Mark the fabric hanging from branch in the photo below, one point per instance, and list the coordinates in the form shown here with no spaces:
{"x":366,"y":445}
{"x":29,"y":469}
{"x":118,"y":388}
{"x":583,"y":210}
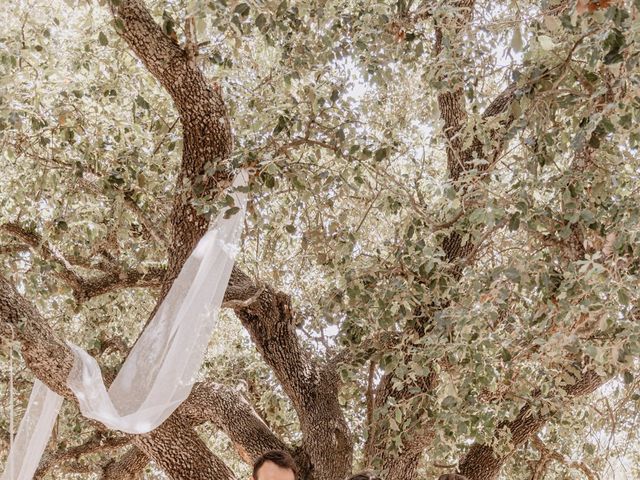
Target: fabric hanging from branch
{"x":160,"y":370}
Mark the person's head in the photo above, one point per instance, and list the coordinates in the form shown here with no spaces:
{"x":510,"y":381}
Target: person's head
{"x":364,"y":475}
{"x":275,"y":465}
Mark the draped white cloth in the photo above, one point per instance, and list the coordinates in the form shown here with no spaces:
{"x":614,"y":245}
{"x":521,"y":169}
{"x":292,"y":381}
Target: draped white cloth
{"x":33,"y":434}
{"x":160,"y":370}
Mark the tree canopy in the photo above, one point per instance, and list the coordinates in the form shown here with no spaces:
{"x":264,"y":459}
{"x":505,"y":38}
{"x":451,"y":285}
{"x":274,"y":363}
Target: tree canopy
{"x":439,"y":268}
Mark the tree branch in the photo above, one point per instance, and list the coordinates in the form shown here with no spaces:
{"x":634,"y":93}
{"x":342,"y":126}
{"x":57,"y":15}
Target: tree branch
{"x":206,"y":130}
{"x":13,"y":248}
{"x":129,"y":466}
{"x":174,"y":445}
{"x":97,"y":443}
{"x":482,"y":462}
{"x":35,"y":241}
{"x":313,"y":390}
{"x":84,"y":289}
{"x":230,"y":412}
{"x":547,"y":454}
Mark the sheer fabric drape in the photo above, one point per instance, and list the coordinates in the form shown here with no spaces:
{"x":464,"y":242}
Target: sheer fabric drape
{"x":160,"y":370}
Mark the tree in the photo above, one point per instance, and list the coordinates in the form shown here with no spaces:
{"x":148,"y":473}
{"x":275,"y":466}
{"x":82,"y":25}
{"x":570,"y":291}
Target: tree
{"x":439,"y":269}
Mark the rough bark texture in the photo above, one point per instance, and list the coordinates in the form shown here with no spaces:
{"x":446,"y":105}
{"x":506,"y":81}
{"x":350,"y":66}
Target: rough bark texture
{"x":311,"y":386}
{"x":230,"y":412}
{"x":482,"y":462}
{"x":206,"y":130}
{"x":180,"y":452}
{"x":128,"y":466}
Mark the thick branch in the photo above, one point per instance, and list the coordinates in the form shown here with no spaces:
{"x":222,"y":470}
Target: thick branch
{"x":226,"y":409}
{"x":451,"y":101}
{"x":207,"y":134}
{"x":230,"y":412}
{"x":312,"y":389}
{"x":100,"y":285}
{"x":127,"y":467}
{"x":181,"y":453}
{"x":97,"y":443}
{"x":482,"y":462}
{"x":36,"y":242}
{"x":207,"y":144}
{"x":174,"y":445}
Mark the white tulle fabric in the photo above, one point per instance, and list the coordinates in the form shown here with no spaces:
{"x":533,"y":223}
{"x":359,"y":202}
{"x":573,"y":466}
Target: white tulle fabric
{"x":160,"y":370}
{"x":33,"y":434}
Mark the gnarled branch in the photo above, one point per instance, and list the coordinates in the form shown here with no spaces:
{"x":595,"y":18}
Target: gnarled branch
{"x":482,"y":462}
{"x":84,"y":288}
{"x":313,"y":390}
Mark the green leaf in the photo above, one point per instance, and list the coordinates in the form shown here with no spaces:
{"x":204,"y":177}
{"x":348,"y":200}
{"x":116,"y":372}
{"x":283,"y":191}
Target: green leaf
{"x":230,"y":212}
{"x":281,"y":125}
{"x":506,"y":355}
{"x":614,"y":42}
{"x":546,"y":42}
{"x":623,"y":297}
{"x":514,"y":222}
{"x":102,"y":39}
{"x":270,"y":182}
{"x":261,"y":21}
{"x":449,"y":401}
{"x":380,"y":154}
{"x":140,"y":101}
{"x":242,"y":9}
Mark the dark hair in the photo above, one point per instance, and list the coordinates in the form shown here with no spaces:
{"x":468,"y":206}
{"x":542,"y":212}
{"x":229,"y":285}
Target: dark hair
{"x":279,"y":457}
{"x":364,"y":475}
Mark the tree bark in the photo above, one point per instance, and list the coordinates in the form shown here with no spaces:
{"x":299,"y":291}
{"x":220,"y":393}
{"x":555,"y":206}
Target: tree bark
{"x":128,"y":467}
{"x":205,"y":125}
{"x":50,"y":360}
{"x":483,"y":463}
{"x":311,"y":386}
{"x":231,"y":413}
